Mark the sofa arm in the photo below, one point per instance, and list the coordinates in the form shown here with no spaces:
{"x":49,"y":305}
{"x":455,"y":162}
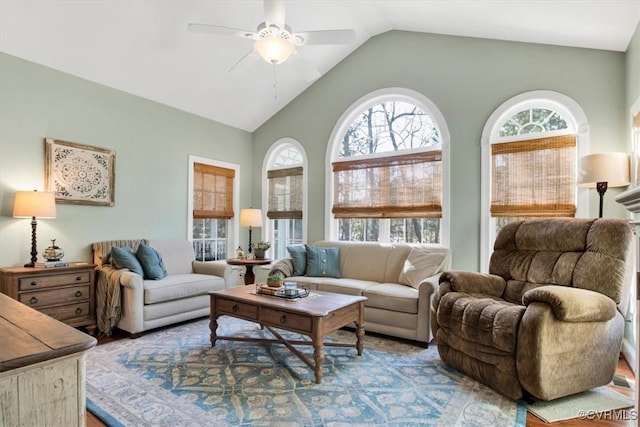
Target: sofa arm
{"x":573,"y":304}
{"x":129,"y":279}
{"x":472,"y":282}
{"x":211,"y":268}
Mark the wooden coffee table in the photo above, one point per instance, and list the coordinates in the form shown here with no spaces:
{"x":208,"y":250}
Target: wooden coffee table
{"x":315,"y":316}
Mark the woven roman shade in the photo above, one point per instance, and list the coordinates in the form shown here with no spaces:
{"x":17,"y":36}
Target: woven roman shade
{"x":402,"y":186}
{"x":285,"y":193}
{"x":534,"y":178}
{"x":212,"y":191}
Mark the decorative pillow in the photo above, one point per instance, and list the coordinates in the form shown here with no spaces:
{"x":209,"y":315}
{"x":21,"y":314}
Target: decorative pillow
{"x":151,"y":262}
{"x":323,"y":262}
{"x":125,"y":258}
{"x":421,"y":264}
{"x":298,"y":254}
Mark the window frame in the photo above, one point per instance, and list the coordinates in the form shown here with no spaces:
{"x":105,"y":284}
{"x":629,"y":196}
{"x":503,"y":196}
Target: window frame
{"x":232,"y":226}
{"x":347,"y":118}
{"x":577,"y":124}
{"x":271,"y":154}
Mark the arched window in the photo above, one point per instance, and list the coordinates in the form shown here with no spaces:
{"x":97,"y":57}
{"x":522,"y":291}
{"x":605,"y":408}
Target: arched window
{"x":388,"y":159}
{"x":530,"y":150}
{"x":284,"y":195}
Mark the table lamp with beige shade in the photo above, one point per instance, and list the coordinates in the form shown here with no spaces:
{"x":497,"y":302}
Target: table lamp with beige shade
{"x":602,"y":171}
{"x":250,"y":218}
{"x":34,"y":204}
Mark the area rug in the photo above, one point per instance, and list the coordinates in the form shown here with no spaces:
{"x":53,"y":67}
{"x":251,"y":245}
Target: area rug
{"x":174,"y":377}
{"x":589,"y":405}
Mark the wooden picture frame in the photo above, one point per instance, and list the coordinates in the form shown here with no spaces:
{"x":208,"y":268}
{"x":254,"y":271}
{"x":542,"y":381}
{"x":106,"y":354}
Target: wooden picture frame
{"x":79,"y":174}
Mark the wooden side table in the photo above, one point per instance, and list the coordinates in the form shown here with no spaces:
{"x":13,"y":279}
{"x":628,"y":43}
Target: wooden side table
{"x":249,"y":276}
{"x":64,"y":293}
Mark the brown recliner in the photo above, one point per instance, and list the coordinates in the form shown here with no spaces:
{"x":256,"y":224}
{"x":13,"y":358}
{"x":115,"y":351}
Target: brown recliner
{"x":547,"y":321}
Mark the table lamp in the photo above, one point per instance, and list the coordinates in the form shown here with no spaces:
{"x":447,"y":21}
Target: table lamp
{"x":604,"y":170}
{"x":34,"y":204}
{"x":250,"y":218}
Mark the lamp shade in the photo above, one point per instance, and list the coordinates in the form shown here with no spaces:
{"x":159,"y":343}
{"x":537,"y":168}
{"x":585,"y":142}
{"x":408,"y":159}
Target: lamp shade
{"x":37,"y":204}
{"x":274,"y":49}
{"x":251,"y":218}
{"x":612,"y":168}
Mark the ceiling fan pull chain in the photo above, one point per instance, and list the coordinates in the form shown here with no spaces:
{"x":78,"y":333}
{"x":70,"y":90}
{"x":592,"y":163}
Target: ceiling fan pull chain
{"x":275,"y":83}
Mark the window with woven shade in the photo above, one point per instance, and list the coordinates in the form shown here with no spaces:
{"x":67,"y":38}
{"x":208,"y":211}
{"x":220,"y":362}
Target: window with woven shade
{"x":212,"y":191}
{"x":285,"y":193}
{"x":534,"y":178}
{"x":404,"y":186}
{"x":387,"y":171}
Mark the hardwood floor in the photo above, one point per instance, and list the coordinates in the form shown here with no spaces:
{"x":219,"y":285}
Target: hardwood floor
{"x":618,"y":419}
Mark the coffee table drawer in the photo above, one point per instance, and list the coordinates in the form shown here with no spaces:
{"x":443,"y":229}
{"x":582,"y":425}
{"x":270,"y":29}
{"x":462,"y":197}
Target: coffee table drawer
{"x":247,"y":311}
{"x":286,"y":320}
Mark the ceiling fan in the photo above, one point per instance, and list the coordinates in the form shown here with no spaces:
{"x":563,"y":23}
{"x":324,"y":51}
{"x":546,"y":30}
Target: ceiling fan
{"x":274,"y":40}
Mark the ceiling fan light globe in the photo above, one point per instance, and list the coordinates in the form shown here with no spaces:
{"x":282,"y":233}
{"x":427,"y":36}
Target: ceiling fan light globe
{"x":274,"y":50}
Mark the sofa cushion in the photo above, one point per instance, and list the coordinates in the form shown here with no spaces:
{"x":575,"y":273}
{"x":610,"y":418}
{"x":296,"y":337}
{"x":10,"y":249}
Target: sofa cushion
{"x":177,"y":255}
{"x":151,"y":263}
{"x":298,"y":254}
{"x":345,"y":286}
{"x":125,"y":258}
{"x":421,"y":264}
{"x":391,"y":296}
{"x":178,"y":286}
{"x":323,"y":262}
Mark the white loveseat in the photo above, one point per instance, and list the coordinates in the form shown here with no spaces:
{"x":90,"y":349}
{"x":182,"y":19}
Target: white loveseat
{"x":397,"y":304}
{"x":126,"y":300}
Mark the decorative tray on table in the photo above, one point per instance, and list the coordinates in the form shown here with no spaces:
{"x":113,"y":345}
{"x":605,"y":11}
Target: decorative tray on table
{"x":283,"y":292}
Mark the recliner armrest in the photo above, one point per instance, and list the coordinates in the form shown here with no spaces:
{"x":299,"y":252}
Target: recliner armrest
{"x":473,"y":283}
{"x":573,"y":304}
{"x":212,"y":268}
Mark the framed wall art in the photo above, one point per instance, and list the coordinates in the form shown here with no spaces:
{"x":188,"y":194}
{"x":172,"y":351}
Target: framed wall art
{"x":80,"y":174}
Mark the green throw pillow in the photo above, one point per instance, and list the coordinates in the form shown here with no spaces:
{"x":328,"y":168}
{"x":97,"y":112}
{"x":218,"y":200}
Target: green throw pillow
{"x":151,"y":262}
{"x":323,"y":262}
{"x":298,"y":254}
{"x":125,"y":258}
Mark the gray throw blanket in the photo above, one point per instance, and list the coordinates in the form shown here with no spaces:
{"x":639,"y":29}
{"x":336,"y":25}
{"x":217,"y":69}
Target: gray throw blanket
{"x":108,"y":308}
{"x":285,"y":266}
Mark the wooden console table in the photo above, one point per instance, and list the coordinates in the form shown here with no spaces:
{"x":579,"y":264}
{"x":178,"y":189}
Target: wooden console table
{"x":42,"y":368}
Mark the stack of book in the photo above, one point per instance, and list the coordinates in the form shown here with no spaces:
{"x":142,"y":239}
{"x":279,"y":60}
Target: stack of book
{"x":268,"y":290}
{"x":48,"y":264}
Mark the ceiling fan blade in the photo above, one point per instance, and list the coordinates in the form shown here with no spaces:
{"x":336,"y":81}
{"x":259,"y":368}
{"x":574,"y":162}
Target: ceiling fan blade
{"x":274,"y":12}
{"x":324,"y":37}
{"x":216,"y":29}
{"x":245,"y":56}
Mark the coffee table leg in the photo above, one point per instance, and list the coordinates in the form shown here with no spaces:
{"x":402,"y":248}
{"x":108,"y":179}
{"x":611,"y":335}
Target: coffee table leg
{"x":360,"y":330}
{"x":318,"y":358}
{"x":213,"y":326}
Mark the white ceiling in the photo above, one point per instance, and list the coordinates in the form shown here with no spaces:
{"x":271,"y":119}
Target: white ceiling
{"x":143,"y":47}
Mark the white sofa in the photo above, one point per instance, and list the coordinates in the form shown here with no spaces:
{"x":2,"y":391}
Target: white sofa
{"x":374,"y":270}
{"x":126,"y":300}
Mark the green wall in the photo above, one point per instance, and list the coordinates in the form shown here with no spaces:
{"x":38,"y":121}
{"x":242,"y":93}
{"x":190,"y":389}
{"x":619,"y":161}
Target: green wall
{"x":152,"y":144}
{"x":467,"y":79}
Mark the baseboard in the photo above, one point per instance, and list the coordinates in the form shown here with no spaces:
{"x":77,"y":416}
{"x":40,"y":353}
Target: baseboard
{"x":629,"y":353}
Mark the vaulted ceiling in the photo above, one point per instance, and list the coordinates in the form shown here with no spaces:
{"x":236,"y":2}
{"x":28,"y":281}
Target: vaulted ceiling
{"x":144,"y":48}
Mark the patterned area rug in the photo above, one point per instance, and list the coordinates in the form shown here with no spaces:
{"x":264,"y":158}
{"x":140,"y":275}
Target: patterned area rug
{"x":174,"y":377}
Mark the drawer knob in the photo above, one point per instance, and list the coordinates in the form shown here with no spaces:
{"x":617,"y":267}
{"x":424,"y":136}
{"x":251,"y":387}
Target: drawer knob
{"x":78,"y":278}
{"x":283,"y":319}
{"x":78,"y":310}
{"x":78,"y":294}
{"x":34,"y":283}
{"x":235,"y":308}
{"x":33,"y":300}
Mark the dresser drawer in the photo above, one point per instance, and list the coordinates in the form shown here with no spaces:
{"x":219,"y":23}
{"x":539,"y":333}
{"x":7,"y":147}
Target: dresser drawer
{"x":52,"y":280}
{"x":55,"y":296}
{"x":66,"y":313}
{"x":239,"y":309}
{"x":286,"y":320}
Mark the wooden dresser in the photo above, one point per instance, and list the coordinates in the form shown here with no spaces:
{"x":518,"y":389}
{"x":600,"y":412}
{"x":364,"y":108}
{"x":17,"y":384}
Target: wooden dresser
{"x":42,"y":368}
{"x":64,"y":293}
